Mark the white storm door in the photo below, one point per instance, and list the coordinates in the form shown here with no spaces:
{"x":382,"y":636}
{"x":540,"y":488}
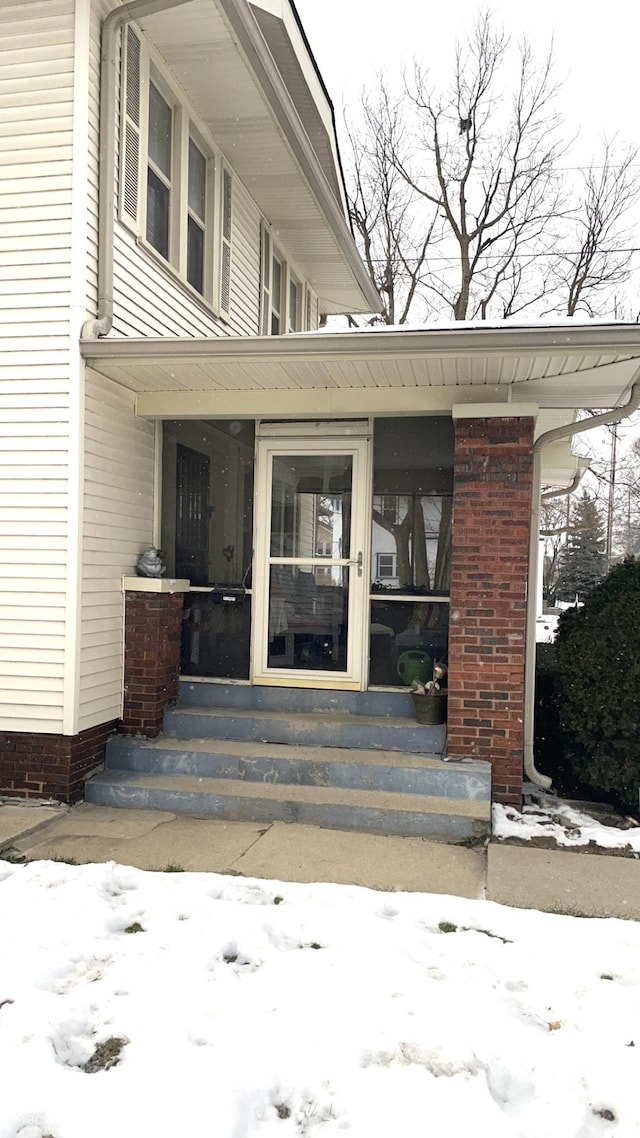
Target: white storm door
{"x":310,"y":586}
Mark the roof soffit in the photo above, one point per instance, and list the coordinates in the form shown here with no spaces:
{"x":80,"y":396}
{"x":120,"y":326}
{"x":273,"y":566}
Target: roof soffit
{"x":588,"y":367}
{"x":219,"y":58}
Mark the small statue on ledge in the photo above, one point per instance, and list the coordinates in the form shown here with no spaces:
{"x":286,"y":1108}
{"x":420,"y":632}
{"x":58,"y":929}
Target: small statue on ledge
{"x":150,"y":563}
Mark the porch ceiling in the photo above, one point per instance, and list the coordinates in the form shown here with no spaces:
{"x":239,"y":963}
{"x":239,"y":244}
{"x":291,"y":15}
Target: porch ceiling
{"x":220,"y":58}
{"x":557,"y":367}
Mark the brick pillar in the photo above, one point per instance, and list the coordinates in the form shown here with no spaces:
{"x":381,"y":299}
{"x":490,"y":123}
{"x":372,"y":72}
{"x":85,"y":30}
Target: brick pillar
{"x":153,"y":624}
{"x":51,"y":766}
{"x":490,"y":554}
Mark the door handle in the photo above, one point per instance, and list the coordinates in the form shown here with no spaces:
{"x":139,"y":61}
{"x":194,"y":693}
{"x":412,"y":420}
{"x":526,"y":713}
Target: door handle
{"x":358,"y":561}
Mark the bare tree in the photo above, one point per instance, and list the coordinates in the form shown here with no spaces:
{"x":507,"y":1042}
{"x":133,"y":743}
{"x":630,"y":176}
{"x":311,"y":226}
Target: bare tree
{"x":383,"y":207}
{"x":487,"y":161}
{"x":457,"y":195}
{"x":555,"y":523}
{"x":599,"y":256}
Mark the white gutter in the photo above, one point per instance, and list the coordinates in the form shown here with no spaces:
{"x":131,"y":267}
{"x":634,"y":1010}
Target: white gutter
{"x":621,"y":339}
{"x":614,"y":416}
{"x":113,"y":22}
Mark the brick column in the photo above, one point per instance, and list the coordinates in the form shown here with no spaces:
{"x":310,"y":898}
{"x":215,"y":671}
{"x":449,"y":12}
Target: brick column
{"x":490,"y":554}
{"x":153,"y":625}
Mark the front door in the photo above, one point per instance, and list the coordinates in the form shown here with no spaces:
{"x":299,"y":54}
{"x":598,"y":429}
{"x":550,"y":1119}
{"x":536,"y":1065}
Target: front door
{"x":310,"y":583}
{"x":192,"y":514}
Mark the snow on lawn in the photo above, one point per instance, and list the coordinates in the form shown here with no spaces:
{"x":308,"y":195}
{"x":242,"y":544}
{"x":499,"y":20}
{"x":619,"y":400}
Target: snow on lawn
{"x":550,"y":817}
{"x":279,"y":1010}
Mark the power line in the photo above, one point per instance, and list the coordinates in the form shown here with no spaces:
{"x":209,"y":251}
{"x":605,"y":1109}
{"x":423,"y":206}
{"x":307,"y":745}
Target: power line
{"x":521,"y":256}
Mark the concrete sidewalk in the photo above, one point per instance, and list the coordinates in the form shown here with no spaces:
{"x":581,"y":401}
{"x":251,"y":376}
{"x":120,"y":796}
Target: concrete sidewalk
{"x":553,"y":880}
{"x":152,"y":839}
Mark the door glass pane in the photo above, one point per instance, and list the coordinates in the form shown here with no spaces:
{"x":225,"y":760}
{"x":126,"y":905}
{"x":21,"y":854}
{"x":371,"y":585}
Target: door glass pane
{"x":308,"y":614}
{"x":311,"y":506}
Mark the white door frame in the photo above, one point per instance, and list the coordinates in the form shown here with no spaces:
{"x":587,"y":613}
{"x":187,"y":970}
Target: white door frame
{"x":353,"y":438}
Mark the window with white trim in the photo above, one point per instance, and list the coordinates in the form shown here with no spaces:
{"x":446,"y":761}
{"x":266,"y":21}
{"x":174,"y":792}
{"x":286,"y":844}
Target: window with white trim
{"x":386,"y":565}
{"x":285,"y":302}
{"x":175,"y":191}
{"x":294,"y":312}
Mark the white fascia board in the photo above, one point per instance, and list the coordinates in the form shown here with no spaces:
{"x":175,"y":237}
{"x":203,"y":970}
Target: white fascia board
{"x":504,"y":410}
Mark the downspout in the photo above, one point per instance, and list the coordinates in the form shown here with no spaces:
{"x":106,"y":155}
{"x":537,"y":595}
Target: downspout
{"x":566,"y":490}
{"x":614,"y":416}
{"x":114,"y":21}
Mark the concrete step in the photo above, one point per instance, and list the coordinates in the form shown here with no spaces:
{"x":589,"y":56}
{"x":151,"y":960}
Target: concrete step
{"x":330,"y":807}
{"x":315,"y":729}
{"x":206,"y":693}
{"x":390,"y":771}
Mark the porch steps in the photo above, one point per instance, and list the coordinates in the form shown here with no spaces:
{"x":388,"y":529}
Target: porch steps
{"x":274,"y":764}
{"x":317,"y":728}
{"x":342,"y":760}
{"x":376,"y":811}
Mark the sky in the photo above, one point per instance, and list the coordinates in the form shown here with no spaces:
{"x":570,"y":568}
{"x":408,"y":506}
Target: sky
{"x":264,"y":1009}
{"x":596,"y":49}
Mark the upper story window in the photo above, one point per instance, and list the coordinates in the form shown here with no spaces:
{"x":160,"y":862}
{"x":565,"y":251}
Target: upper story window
{"x":278,"y":270}
{"x":285,"y":305}
{"x":159,"y":142}
{"x":175,"y":192}
{"x":294,"y":314}
{"x":196,"y":216}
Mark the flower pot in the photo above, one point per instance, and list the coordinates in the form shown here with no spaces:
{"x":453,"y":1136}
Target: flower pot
{"x":431,"y":708}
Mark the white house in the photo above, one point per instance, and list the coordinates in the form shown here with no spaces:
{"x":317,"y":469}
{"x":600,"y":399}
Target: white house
{"x":173,"y":228}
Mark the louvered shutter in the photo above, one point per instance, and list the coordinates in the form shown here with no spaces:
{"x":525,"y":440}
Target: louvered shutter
{"x":130,"y":132}
{"x":265,"y":280}
{"x":225,"y":244}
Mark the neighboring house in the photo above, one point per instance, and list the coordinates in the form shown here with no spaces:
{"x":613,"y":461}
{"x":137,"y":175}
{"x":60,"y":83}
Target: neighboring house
{"x":324,"y":500}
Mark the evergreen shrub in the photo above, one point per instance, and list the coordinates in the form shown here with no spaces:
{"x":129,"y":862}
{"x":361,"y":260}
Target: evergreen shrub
{"x":597,"y":653}
{"x":549,"y":736}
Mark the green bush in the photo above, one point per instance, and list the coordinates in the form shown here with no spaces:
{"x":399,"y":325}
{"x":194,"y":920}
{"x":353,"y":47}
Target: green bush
{"x":597,"y":654}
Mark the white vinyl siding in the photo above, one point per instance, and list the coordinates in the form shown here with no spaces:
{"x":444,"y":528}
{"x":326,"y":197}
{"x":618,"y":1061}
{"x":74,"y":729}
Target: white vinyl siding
{"x":117,"y":524}
{"x":98,"y":11}
{"x":36,"y":118}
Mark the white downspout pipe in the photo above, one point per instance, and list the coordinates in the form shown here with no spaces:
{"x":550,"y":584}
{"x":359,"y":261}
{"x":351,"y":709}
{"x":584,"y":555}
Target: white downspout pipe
{"x":566,"y":490}
{"x":114,"y":21}
{"x":614,"y":416}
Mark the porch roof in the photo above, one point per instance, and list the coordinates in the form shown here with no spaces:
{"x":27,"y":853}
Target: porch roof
{"x":559,"y":367}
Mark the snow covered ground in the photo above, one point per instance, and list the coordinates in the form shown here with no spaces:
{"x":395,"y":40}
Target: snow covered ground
{"x":550,"y":817}
{"x":279,"y":1010}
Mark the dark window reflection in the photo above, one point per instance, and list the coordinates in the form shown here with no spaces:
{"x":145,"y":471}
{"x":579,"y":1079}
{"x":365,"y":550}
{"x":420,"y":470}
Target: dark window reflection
{"x":398,"y":628}
{"x":412,"y":504}
{"x":216,"y":634}
{"x":207,"y":495}
{"x":308,"y":612}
